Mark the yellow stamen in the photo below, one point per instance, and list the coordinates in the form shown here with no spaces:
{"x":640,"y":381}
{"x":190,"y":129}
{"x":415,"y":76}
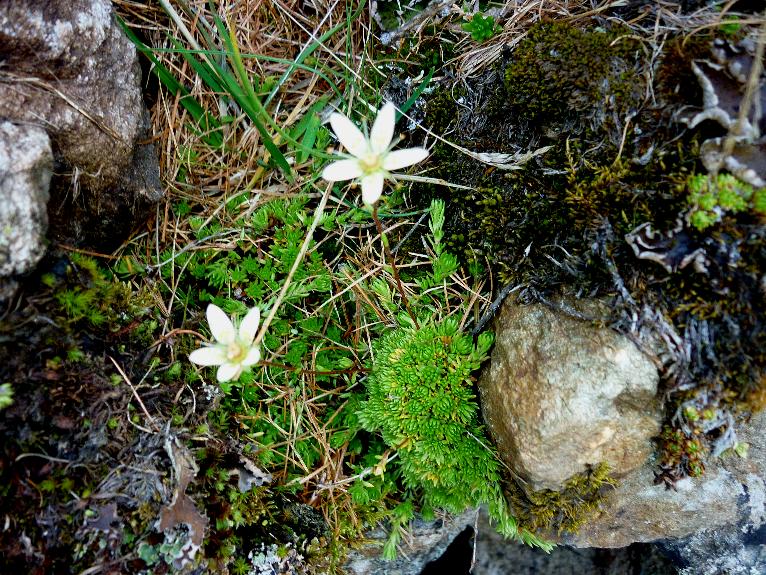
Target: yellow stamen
{"x":371,"y":163}
{"x":235,"y":353}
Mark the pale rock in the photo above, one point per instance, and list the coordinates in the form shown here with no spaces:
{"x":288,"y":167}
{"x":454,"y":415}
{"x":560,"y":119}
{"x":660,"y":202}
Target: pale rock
{"x":729,"y":498}
{"x":562,"y":394}
{"x":68,"y":68}
{"x":26,"y":165}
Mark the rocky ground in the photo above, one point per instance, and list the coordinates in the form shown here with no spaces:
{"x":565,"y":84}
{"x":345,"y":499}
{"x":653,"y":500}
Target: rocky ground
{"x":575,"y":278}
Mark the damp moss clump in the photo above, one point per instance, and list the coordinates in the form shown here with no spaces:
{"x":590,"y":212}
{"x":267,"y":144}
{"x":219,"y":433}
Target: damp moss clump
{"x":580,"y":92}
{"x":565,"y":510}
{"x":560,"y":71}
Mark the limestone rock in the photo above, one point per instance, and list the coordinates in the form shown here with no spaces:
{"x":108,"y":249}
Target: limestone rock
{"x":69,"y":69}
{"x":731,"y":493}
{"x":26,"y":164}
{"x":561,"y":394}
{"x":427,"y":542}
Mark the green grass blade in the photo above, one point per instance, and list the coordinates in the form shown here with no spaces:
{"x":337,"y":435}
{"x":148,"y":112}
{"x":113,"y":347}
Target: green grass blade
{"x":415,"y":94}
{"x":306,"y":52}
{"x":202,"y":69}
{"x":246,"y":97}
{"x":308,"y":128}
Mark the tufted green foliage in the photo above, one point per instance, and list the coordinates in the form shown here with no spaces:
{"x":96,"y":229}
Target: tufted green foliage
{"x":711,"y":200}
{"x":89,"y":296}
{"x":421,"y":399}
{"x":6,"y":395}
{"x":481,"y":27}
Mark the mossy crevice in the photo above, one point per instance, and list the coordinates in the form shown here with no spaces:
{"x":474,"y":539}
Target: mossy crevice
{"x":564,"y":510}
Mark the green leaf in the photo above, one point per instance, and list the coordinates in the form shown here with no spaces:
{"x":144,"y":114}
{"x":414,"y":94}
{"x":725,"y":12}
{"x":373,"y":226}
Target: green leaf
{"x":415,"y":94}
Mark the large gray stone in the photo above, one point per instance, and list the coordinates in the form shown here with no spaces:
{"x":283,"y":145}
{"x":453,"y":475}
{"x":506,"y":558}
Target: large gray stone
{"x":69,"y":69}
{"x":561,"y":394}
{"x":26,"y":165}
{"x":731,"y":494}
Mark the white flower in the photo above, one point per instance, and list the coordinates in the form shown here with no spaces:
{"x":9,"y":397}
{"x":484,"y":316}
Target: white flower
{"x":233,"y":349}
{"x":370,"y":159}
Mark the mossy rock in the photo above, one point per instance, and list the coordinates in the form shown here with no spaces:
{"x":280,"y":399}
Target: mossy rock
{"x":617,"y":161}
{"x":562,"y":72}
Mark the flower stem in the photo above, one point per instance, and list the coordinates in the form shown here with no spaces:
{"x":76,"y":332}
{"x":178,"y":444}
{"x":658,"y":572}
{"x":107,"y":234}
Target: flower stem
{"x":310,"y":234}
{"x":392,"y":263}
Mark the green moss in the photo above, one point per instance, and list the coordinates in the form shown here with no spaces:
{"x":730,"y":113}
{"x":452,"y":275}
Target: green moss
{"x":89,"y":296}
{"x":6,"y":395}
{"x":759,"y":201}
{"x":711,"y":200}
{"x":564,"y":510}
{"x":535,"y":225}
{"x":560,"y":70}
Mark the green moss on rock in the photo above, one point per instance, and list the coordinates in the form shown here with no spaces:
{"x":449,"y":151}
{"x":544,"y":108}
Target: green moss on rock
{"x":617,"y":161}
{"x":564,"y":510}
{"x":560,"y":70}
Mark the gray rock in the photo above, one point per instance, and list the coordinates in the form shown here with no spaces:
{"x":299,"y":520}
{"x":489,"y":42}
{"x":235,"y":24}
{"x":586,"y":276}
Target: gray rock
{"x":26,"y":165}
{"x":732,"y":550}
{"x":731,"y":495}
{"x":498,"y":556}
{"x":561,"y":394}
{"x":427,"y":542}
{"x":69,"y":69}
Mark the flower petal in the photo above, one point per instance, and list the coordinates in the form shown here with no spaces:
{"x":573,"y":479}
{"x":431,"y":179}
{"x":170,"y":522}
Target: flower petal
{"x":249,"y":326}
{"x":342,"y":170}
{"x":372,"y":188}
{"x":220,"y":325}
{"x":383,"y":129}
{"x":228,"y":371}
{"x":253,"y":357}
{"x":402,"y":158}
{"x":208,"y":356}
{"x":349,"y":135}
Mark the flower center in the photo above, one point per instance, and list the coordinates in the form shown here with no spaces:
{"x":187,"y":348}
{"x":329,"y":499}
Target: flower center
{"x":371,"y":163}
{"x":235,"y":353}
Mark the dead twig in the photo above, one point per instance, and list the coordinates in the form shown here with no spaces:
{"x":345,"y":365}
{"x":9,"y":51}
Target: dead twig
{"x":135,"y":394}
{"x":416,"y":21}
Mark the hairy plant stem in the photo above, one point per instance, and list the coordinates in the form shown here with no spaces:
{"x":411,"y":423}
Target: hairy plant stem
{"x":304,"y":248}
{"x":392,"y":263}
